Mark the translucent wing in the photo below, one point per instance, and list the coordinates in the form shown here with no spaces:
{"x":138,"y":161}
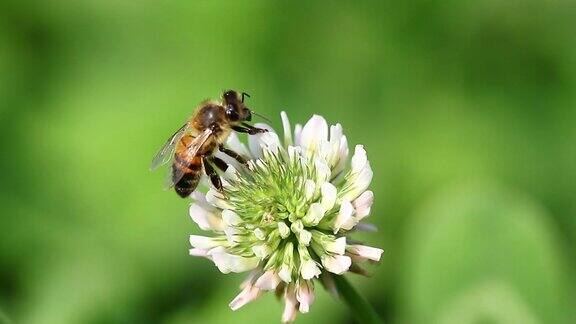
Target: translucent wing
{"x":193,"y":148}
{"x":166,"y":153}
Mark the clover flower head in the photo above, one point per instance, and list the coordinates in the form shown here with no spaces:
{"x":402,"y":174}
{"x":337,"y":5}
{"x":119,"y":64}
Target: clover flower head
{"x":286,"y":217}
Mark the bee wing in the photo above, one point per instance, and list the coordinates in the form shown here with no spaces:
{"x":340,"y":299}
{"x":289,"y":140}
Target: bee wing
{"x":192,"y":150}
{"x":165,"y":154}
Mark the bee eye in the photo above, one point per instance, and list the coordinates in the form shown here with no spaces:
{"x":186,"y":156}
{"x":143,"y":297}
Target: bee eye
{"x":231,"y":113}
{"x":230,"y":95}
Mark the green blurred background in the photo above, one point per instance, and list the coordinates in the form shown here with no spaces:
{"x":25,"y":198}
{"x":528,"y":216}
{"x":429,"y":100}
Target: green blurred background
{"x":466,"y":108}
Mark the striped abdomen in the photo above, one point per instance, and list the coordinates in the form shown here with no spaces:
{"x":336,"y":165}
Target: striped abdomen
{"x":188,"y":172}
{"x":186,"y":169}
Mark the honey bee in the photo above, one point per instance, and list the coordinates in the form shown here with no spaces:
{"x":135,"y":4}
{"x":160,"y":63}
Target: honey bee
{"x":191,"y":149}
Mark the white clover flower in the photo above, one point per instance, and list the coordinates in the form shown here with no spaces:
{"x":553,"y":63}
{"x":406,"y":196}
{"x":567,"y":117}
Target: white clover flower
{"x":287,"y":217}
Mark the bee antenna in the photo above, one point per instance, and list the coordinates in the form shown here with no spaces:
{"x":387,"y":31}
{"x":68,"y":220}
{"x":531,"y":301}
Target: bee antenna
{"x":261,"y":116}
{"x":244,"y":94}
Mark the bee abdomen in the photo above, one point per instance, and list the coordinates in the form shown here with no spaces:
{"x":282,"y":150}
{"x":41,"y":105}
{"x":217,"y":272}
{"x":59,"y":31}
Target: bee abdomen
{"x":190,"y":178}
{"x":187,"y":185}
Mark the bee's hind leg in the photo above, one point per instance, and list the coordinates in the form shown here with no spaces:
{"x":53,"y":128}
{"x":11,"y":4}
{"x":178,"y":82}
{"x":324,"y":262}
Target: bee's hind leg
{"x":219,"y":163}
{"x":233,"y":154}
{"x":211,"y":173}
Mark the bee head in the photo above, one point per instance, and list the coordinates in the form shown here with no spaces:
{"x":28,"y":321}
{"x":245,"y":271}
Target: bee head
{"x":236,"y":110}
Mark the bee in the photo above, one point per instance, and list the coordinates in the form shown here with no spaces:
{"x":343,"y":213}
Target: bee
{"x":191,"y":149}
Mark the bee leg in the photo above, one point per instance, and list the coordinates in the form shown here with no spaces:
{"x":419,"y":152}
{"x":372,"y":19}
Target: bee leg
{"x":254,"y":129}
{"x":233,"y":154}
{"x":241,"y":129}
{"x":249,"y":129}
{"x":219,"y":163}
{"x":210,"y":172}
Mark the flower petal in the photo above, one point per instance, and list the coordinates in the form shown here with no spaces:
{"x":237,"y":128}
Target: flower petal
{"x":333,"y":155}
{"x":359,"y":159}
{"x":322,"y":171}
{"x":232,"y":234}
{"x":268,"y":281}
{"x":328,"y":192}
{"x":360,"y":176}
{"x":215,"y":198}
{"x":360,"y":184}
{"x":250,"y":278}
{"x":206,"y":219}
{"x":366,"y":252}
{"x":285,"y":274}
{"x":363,"y":203}
{"x":309,"y":189}
{"x":200,"y":252}
{"x":314,"y":215}
{"x":248,"y":294}
{"x":270,"y":142}
{"x":261,"y":251}
{"x":260,"y":234}
{"x":336,"y":133}
{"x":290,"y":310}
{"x":200,"y":199}
{"x":230,"y":218}
{"x":297,"y":134}
{"x":305,"y":295}
{"x":314,"y":133}
{"x":204,"y":242}
{"x":227,"y":263}
{"x":337,"y":264}
{"x":309,"y":269}
{"x":287,"y":129}
{"x":342,"y":157}
{"x":283,"y":229}
{"x":257,"y":141}
{"x":302,"y":235}
{"x":344,"y":216}
{"x":231,"y":174}
{"x":338,"y":246}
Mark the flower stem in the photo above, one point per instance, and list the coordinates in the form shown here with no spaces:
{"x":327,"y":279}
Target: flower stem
{"x":361,"y":308}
